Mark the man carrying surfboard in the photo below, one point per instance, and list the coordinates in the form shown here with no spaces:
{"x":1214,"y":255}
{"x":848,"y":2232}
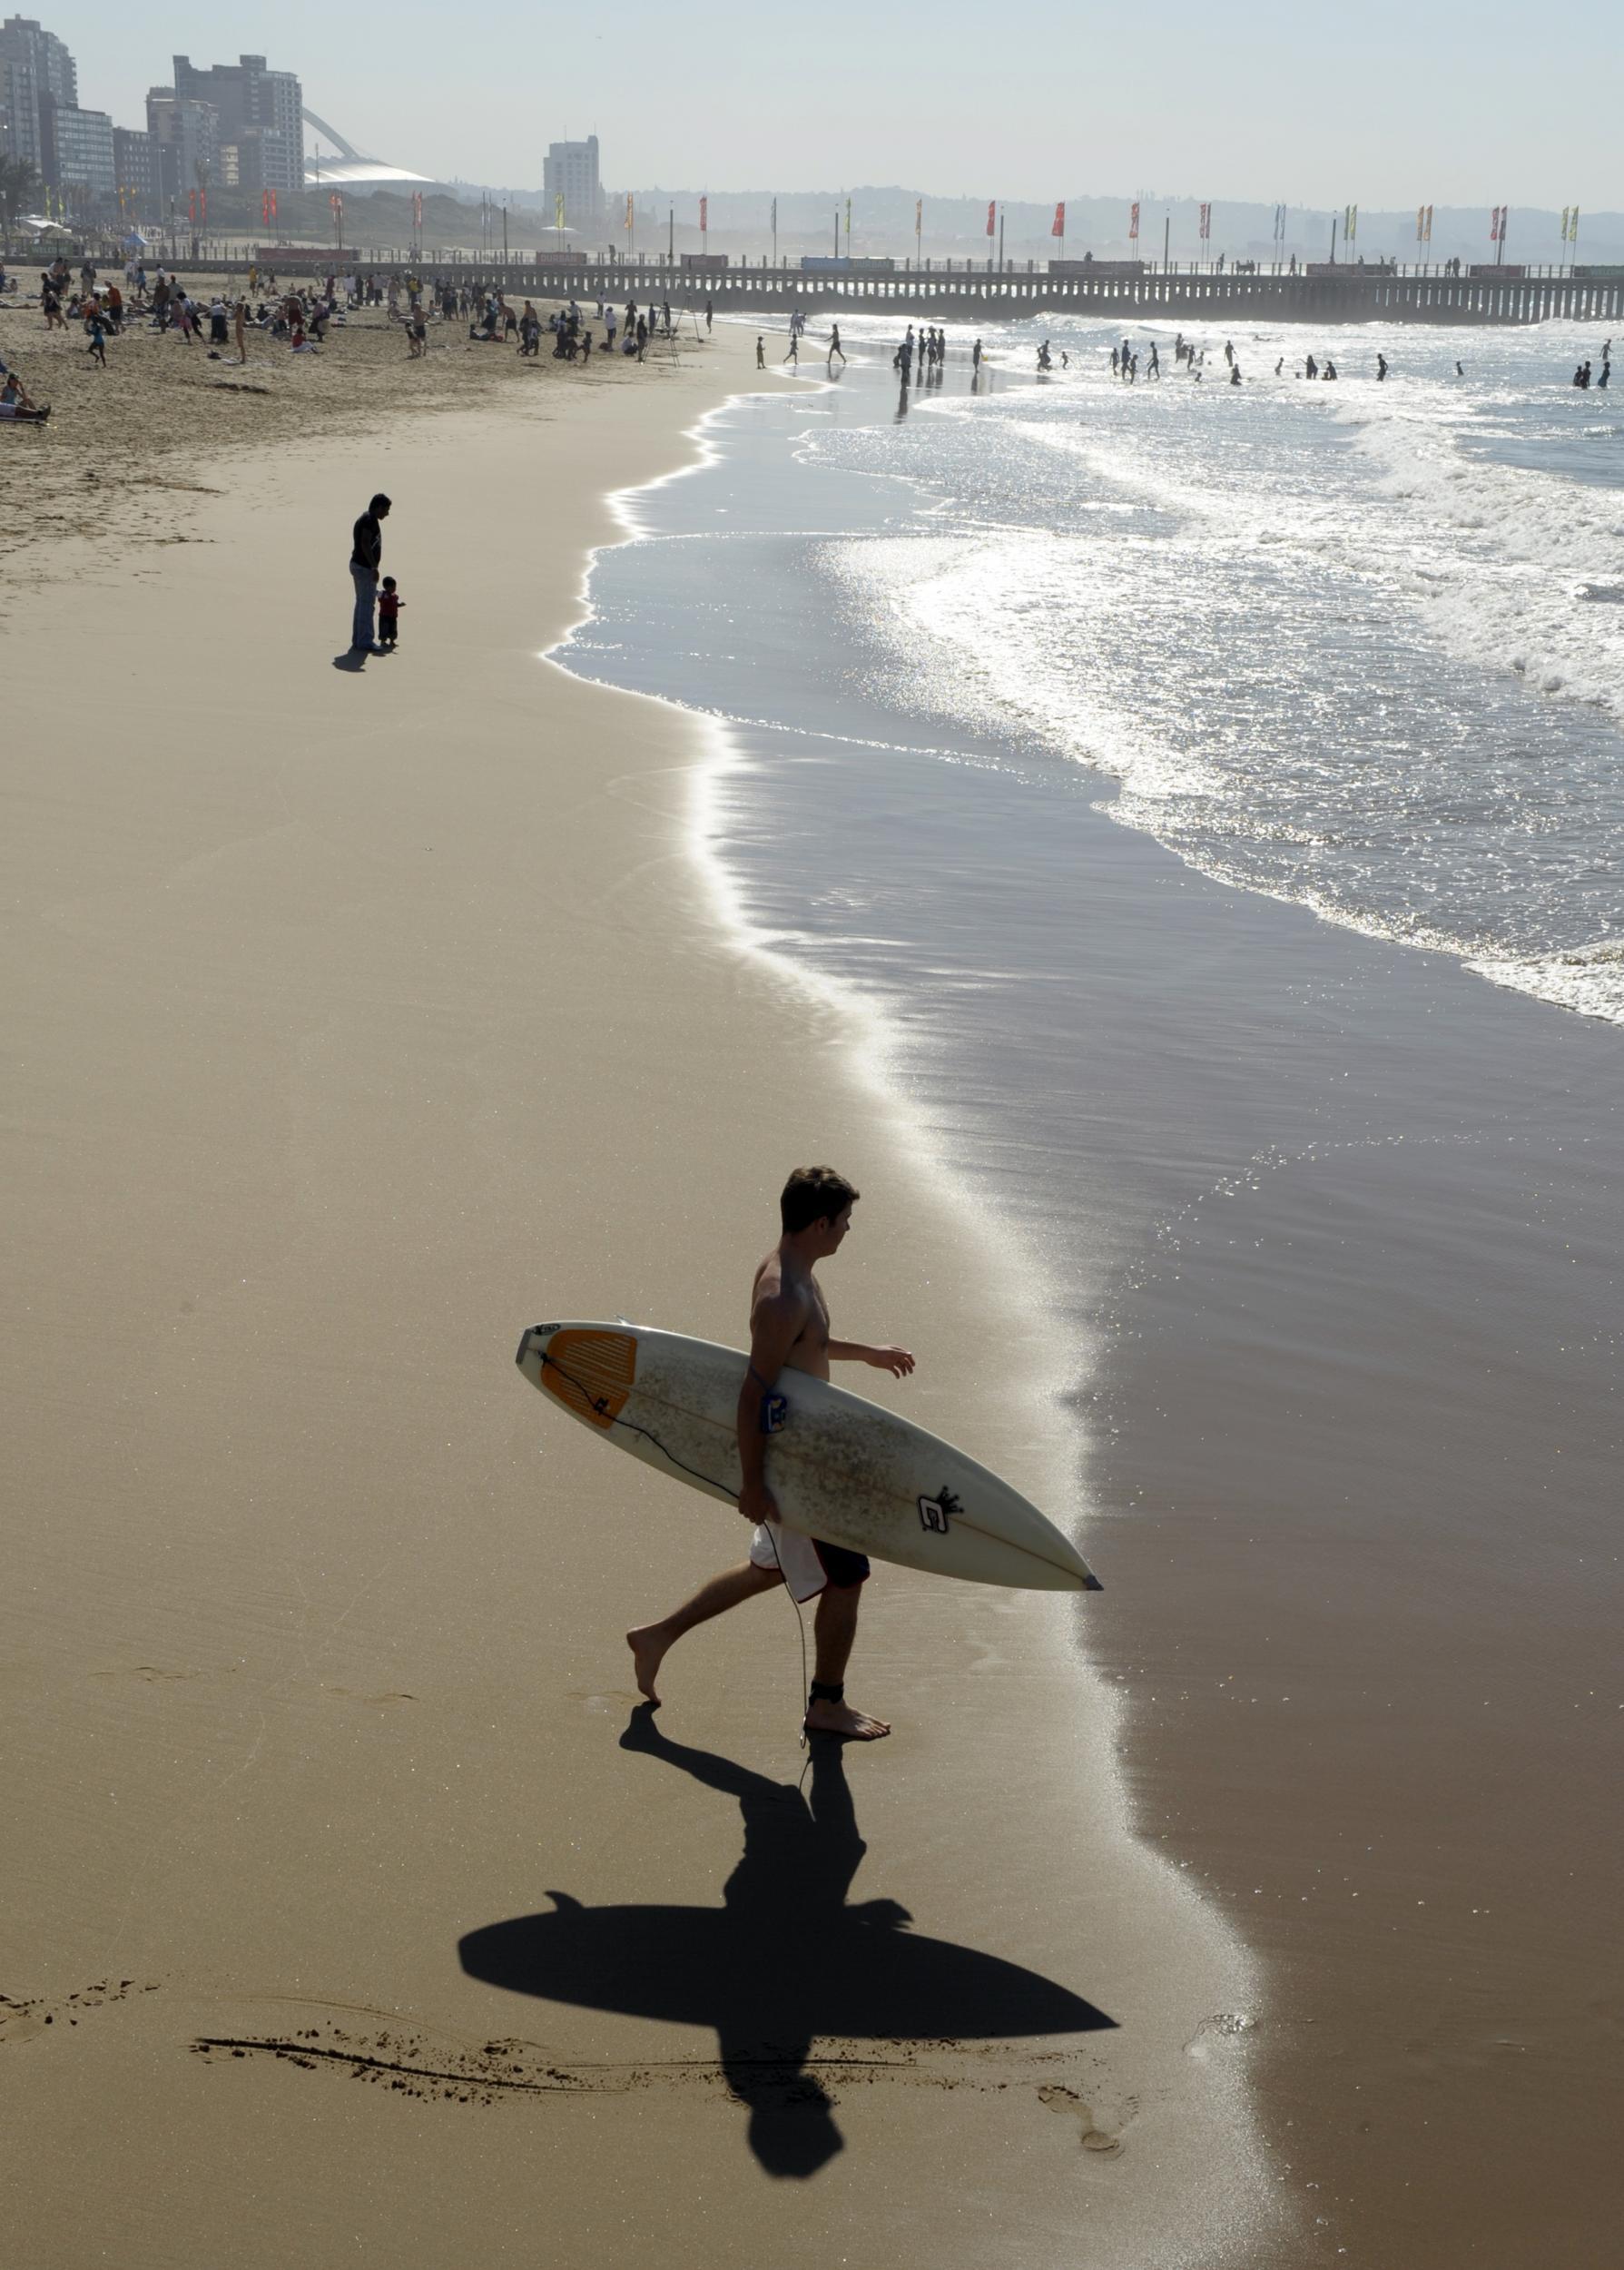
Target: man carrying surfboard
{"x":789,"y":1331}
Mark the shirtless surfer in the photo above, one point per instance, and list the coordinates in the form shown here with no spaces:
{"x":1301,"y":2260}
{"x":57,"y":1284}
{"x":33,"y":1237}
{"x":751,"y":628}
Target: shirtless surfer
{"x":789,"y":1329}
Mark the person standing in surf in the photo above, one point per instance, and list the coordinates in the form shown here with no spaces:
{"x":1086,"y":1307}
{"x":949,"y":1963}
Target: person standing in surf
{"x":789,"y":1331}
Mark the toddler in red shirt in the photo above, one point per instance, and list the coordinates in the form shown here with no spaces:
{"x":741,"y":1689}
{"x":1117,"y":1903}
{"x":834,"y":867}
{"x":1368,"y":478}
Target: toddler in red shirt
{"x":389,"y":604}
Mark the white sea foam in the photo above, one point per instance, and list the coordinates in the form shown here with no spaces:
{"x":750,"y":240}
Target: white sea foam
{"x":1352,"y":648}
{"x":1508,"y":557}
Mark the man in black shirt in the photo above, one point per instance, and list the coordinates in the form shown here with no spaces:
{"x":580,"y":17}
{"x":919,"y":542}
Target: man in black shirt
{"x":366,"y":558}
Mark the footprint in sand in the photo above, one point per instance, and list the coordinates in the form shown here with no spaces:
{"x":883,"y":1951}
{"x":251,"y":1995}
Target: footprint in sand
{"x":1228,"y":2026}
{"x":1060,"y":2098}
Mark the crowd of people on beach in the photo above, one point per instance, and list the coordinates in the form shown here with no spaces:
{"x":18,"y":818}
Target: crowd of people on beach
{"x":300,"y":317}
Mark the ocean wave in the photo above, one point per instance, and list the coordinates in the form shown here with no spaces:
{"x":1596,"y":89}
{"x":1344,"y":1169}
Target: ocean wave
{"x":1506,"y":557}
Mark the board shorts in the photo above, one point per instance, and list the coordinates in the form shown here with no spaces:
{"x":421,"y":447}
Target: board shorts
{"x":806,"y":1565}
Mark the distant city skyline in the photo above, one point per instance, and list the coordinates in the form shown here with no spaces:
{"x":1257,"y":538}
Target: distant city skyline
{"x":1457,"y":105}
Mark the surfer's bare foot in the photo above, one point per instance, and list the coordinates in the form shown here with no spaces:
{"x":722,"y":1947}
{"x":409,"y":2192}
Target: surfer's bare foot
{"x":839,"y":1718}
{"x":648,"y":1644}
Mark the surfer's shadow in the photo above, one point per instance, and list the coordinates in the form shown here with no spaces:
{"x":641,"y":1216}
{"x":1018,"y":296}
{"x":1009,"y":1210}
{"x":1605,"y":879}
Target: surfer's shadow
{"x":784,"y":1962}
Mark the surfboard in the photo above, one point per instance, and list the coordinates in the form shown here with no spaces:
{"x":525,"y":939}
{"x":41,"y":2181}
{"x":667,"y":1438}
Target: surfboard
{"x":840,"y":1467}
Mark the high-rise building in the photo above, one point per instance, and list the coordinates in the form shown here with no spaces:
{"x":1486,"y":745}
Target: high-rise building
{"x":262,"y":118}
{"x":35,"y":66}
{"x":571,"y":172}
{"x":136,"y":174}
{"x":187,"y":134}
{"x":76,"y":152}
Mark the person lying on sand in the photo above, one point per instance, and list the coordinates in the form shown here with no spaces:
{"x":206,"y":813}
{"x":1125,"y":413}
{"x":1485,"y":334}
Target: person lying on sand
{"x":789,"y":1329}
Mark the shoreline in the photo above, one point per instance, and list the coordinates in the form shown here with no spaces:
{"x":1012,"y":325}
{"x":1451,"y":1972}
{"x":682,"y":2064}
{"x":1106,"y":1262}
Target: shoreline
{"x":1037,"y":1438}
{"x":350,"y":1032}
{"x":1212,"y":1368}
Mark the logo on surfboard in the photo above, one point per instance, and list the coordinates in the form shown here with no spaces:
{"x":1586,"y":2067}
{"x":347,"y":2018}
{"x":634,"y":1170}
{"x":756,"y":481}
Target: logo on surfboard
{"x":935,"y":1513}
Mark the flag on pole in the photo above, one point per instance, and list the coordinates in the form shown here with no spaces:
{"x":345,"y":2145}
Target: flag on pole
{"x":991,"y":209}
{"x":1133,"y":224}
{"x":1060,"y":223}
{"x":1429,"y":224}
{"x":705,"y":207}
{"x":1574,"y":231}
{"x":1494,"y":225}
{"x":1206,"y":223}
{"x":1420,"y":223}
{"x":558,"y":209}
{"x":1349,"y":224}
{"x":919,"y":214}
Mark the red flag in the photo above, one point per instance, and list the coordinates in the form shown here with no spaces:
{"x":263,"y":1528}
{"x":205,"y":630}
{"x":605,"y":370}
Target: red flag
{"x":1059,"y":227}
{"x":1133,"y":224}
{"x":704,"y":207}
{"x":191,"y":206}
{"x":991,"y":209}
{"x":1494,"y":226}
{"x":1206,"y":222}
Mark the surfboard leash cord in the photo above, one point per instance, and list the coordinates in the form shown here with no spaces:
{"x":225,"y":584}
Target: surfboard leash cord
{"x":600,"y":1405}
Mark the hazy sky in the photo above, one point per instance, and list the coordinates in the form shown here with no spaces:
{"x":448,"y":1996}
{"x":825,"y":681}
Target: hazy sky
{"x":1385,"y":103}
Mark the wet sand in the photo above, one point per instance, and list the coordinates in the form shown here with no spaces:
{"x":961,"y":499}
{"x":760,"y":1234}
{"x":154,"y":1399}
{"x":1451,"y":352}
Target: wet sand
{"x":1331,"y":1233}
{"x":358,"y":1020}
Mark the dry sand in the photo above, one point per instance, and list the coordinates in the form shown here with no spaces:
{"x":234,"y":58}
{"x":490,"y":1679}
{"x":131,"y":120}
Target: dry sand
{"x":355,"y":1021}
{"x":124,"y":446}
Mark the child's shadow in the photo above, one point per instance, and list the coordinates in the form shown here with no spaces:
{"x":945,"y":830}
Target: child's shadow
{"x":782,"y":1962}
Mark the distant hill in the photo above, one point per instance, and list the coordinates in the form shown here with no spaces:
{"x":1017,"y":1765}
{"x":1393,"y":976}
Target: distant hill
{"x":954,"y":227}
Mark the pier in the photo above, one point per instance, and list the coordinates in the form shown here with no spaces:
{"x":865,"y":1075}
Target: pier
{"x":1346,"y":295}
